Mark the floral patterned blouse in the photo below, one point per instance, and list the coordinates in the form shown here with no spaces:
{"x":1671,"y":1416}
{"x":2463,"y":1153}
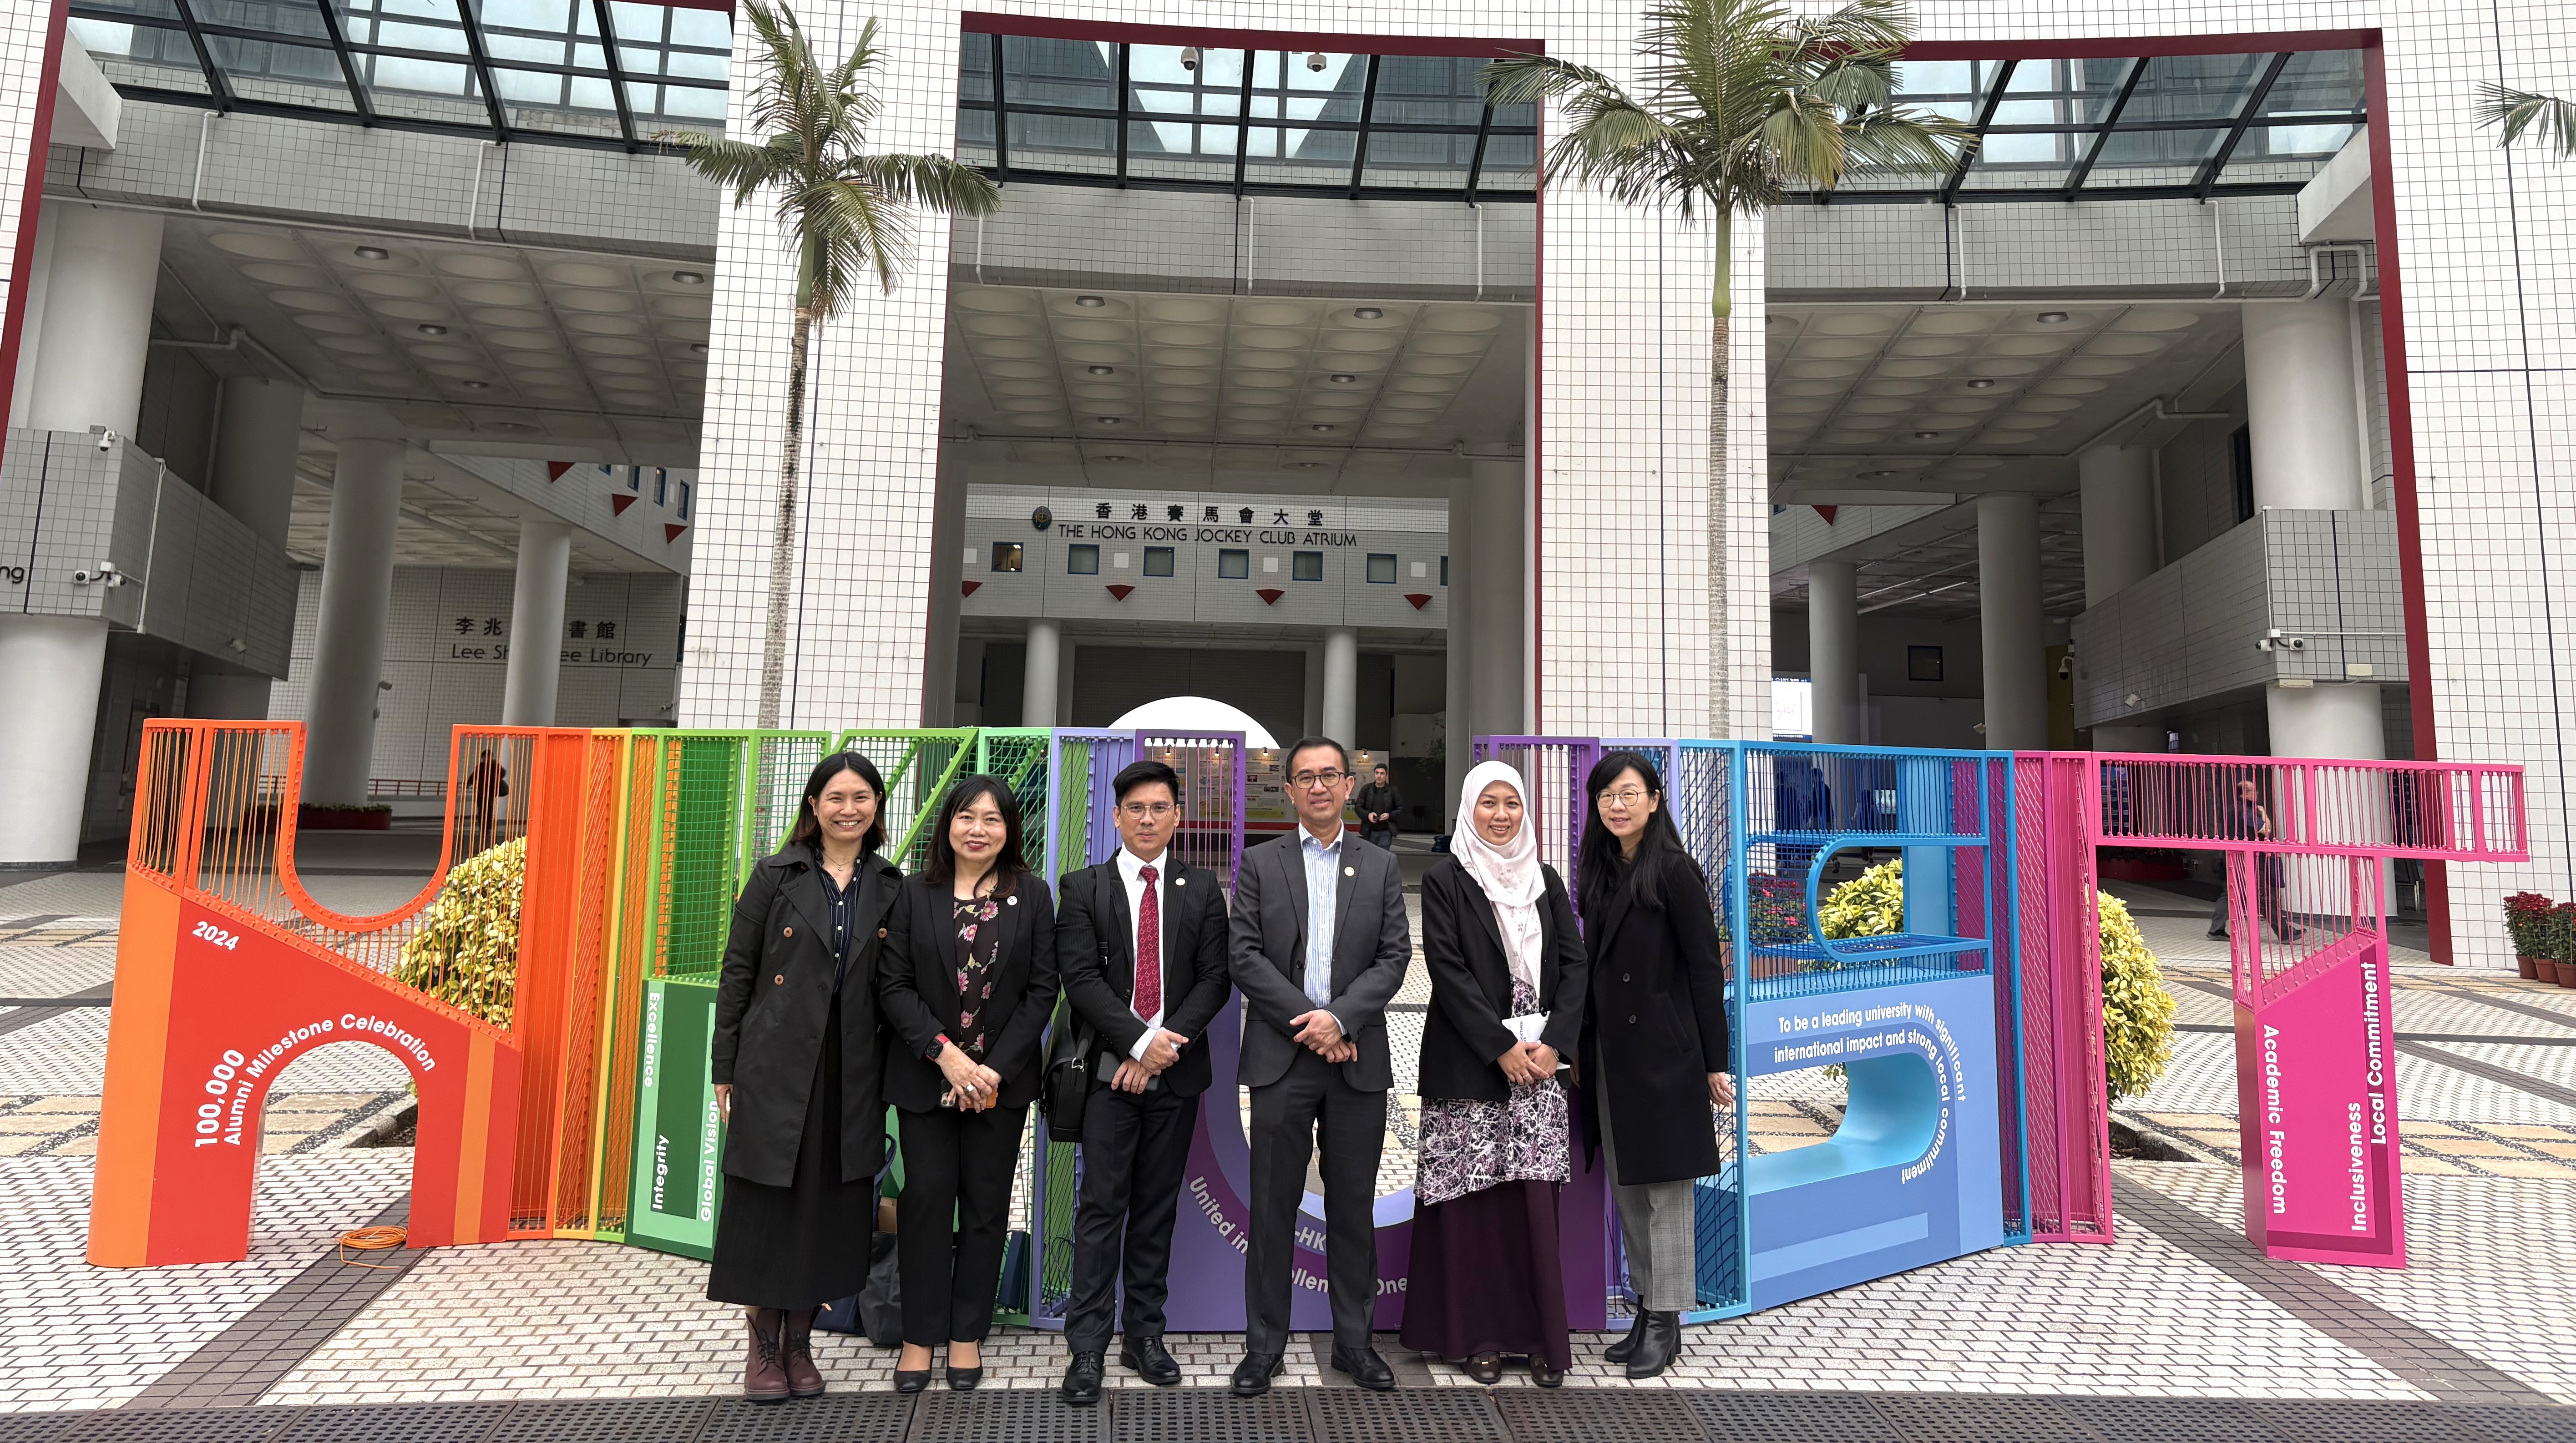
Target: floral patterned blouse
{"x":977,"y":938}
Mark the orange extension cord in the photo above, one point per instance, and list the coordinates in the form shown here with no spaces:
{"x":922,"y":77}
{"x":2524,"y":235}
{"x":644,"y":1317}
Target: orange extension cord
{"x":370,"y":1240}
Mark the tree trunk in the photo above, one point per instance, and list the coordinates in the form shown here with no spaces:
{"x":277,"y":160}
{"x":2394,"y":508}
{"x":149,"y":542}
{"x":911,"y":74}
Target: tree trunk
{"x":782,"y":545}
{"x":1721,"y":690}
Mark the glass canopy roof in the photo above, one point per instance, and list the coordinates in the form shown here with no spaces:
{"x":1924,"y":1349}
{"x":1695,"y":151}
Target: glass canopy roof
{"x":508,"y":69}
{"x":2170,"y":125}
{"x":1294,"y":122}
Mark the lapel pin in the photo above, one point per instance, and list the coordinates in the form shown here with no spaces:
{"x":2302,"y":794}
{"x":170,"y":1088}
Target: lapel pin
{"x":1180,"y":881}
{"x":1350,"y":871}
{"x":1011,"y":901}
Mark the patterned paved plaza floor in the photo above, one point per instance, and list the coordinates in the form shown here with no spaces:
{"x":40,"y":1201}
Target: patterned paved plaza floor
{"x":2177,"y":1315}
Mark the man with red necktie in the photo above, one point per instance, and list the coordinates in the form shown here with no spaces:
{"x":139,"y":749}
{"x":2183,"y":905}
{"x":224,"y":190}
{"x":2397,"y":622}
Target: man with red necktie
{"x":1141,"y":943}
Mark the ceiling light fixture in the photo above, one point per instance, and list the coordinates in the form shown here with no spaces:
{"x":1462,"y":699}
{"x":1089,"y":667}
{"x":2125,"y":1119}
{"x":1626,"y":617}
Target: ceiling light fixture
{"x":1344,"y":378}
{"x":1106,"y":420}
{"x":1322,"y":426}
{"x":430,"y":329}
{"x":689,"y":278}
{"x":478,"y":385}
{"x":374,"y":253}
{"x":1308,"y":465}
{"x":1104,"y":370}
{"x":1927,"y":435}
{"x":1879,"y":475}
{"x":1093,"y":302}
{"x":697,"y":348}
{"x":1113,"y":458}
{"x":1369,"y":313}
{"x":1981,"y":383}
{"x":2052,"y":318}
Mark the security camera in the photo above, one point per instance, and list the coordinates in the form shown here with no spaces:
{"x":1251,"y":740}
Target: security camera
{"x":2066,"y":668}
{"x":106,"y":440}
{"x":1315,"y":61}
{"x":1189,"y":57}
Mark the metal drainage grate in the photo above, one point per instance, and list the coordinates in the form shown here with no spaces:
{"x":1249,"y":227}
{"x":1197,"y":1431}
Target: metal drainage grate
{"x":38,"y":1427}
{"x":396,"y":1423}
{"x":2328,"y":1420}
{"x":1597,"y":1416}
{"x":1773,"y":1417}
{"x":1993,"y":1418}
{"x":832,"y":1418}
{"x":1014,"y":1415}
{"x":604,"y":1420}
{"x":2173,"y":1420}
{"x":182,"y":1425}
{"x":1416,"y":1415}
{"x":2507,"y":1424}
{"x":1206,"y":1415}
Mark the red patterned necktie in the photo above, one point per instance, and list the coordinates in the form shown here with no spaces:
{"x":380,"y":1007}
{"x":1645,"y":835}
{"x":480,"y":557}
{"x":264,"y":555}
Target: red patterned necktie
{"x":1149,"y":950}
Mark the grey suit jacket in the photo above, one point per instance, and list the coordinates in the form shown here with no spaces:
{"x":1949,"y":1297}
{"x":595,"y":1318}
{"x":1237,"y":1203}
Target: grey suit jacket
{"x":1372,"y":946}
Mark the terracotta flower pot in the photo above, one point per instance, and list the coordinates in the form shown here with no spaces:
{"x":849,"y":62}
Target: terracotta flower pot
{"x":2567,"y":974}
{"x":2529,"y":967}
{"x":2544,"y":970}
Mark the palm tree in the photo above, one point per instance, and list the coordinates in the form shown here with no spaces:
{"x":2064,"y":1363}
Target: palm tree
{"x":1741,"y":102}
{"x":845,"y":210}
{"x":2519,"y":110}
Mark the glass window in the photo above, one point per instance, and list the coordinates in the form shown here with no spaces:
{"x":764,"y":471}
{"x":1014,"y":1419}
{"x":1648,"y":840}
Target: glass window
{"x":1232,"y":565}
{"x":1307,"y":566}
{"x":1381,"y":568}
{"x":1082,"y":560}
{"x":1923,"y":663}
{"x":1444,"y":571}
{"x":1158,"y":561}
{"x":1007,"y":555}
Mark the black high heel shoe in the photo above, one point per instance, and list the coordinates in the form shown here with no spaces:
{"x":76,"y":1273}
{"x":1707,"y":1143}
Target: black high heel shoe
{"x":962,"y":1380}
{"x":911,"y":1381}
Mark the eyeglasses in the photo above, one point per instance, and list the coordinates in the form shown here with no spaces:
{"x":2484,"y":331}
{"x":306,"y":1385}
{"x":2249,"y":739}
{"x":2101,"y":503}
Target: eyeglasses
{"x":1311,"y":780}
{"x":1141,"y":810}
{"x":1625,"y":797}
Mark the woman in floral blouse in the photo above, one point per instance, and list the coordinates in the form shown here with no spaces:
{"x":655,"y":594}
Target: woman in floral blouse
{"x":1507,"y":992}
{"x":968,"y":981}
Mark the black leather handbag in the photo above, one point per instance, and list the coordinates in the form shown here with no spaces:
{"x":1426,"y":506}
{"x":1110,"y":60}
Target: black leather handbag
{"x":1066,"y":1085}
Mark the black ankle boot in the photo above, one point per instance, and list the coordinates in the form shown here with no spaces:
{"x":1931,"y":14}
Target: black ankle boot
{"x":1626,"y":1347}
{"x":1659,"y":1345}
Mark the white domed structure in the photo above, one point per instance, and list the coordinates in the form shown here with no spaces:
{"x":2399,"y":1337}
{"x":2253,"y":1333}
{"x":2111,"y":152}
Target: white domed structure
{"x":1195,"y":714}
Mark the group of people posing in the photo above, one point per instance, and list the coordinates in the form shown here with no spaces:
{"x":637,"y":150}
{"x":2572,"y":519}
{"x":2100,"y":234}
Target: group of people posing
{"x":849,"y":987}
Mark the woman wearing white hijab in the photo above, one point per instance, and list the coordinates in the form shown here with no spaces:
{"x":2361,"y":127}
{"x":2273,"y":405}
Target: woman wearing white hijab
{"x":1507,"y":992}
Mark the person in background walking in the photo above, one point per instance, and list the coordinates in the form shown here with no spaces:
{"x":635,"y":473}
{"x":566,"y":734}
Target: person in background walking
{"x":968,"y":983}
{"x":1508,"y":979}
{"x":796,"y":1058}
{"x":1381,"y":809}
{"x":1140,"y":941}
{"x":1654,"y":1040}
{"x":1319,"y":944}
{"x":2248,"y":818}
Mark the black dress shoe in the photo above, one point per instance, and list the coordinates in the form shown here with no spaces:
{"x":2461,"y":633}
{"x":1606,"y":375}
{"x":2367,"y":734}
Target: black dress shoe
{"x":1366,"y":1368}
{"x":911,"y":1382}
{"x":1252,"y":1376}
{"x":1659,"y":1345}
{"x":1485,"y":1368}
{"x":1082,"y":1378}
{"x":1545,"y":1376}
{"x":1150,"y":1360}
{"x":963,"y":1380}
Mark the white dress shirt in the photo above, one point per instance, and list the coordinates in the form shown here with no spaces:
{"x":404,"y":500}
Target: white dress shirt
{"x":1131,"y":871}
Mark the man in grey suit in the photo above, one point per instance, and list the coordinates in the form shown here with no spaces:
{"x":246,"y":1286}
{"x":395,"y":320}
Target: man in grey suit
{"x":1319,"y":945}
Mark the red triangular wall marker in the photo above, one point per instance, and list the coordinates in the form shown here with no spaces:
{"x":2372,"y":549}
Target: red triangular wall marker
{"x":1119,"y":590}
{"x":619,"y":502}
{"x":671,"y":531}
{"x":1420,"y":599}
{"x":555,"y":471}
{"x":1826,"y":512}
{"x":1270,"y":595}
{"x":973,"y":586}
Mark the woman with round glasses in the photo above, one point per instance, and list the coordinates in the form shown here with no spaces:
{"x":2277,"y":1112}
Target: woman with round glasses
{"x":1654,"y":1040}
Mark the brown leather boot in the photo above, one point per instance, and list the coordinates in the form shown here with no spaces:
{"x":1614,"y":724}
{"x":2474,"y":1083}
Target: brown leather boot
{"x":803,"y":1379}
{"x":764,"y":1371}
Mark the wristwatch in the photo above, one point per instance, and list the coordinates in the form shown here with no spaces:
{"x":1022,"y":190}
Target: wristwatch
{"x":938,"y":1045}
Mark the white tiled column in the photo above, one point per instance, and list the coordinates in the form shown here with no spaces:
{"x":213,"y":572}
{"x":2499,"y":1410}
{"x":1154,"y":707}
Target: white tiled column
{"x":537,"y":623}
{"x":2009,"y":621}
{"x":98,"y":318}
{"x":253,"y":477}
{"x":1342,"y":684}
{"x":349,"y":642}
{"x":47,"y":711}
{"x":1833,"y":653}
{"x":1039,"y":674}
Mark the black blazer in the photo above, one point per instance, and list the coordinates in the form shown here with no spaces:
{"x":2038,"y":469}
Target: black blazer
{"x":918,"y":982}
{"x":1095,"y":948}
{"x":771,"y":1001}
{"x":1471,"y":983}
{"x":1657,"y":1024}
{"x":1266,"y":951}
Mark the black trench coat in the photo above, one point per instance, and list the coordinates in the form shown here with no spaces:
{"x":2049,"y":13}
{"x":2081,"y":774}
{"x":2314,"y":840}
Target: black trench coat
{"x":1471,"y":983}
{"x":1657,"y":1025}
{"x":771,"y":999}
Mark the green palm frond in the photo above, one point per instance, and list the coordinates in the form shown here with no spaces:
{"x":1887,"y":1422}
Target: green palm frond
{"x":2520,"y":110}
{"x":844,"y":209}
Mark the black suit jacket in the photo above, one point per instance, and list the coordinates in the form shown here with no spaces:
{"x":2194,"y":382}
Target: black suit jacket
{"x":1471,"y":983}
{"x":772,"y":997}
{"x":1095,"y":948}
{"x":1657,"y":1023}
{"x":918,"y":984}
{"x":1372,"y":946}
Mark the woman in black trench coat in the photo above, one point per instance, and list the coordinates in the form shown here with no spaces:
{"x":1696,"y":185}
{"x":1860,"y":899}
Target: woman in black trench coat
{"x":1654,"y":1040}
{"x":797,"y":1064}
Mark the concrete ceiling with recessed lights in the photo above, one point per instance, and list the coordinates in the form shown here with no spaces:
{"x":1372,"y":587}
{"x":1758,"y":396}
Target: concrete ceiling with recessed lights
{"x":512,"y":350}
{"x":1298,"y":390}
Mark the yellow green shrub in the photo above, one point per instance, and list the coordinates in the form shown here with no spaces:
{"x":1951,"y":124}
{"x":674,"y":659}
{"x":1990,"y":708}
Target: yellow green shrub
{"x":466,"y":953}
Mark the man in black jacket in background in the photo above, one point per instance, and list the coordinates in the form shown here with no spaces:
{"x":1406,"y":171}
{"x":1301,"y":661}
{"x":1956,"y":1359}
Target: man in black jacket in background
{"x":1150,"y":1064}
{"x":1381,"y":808}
